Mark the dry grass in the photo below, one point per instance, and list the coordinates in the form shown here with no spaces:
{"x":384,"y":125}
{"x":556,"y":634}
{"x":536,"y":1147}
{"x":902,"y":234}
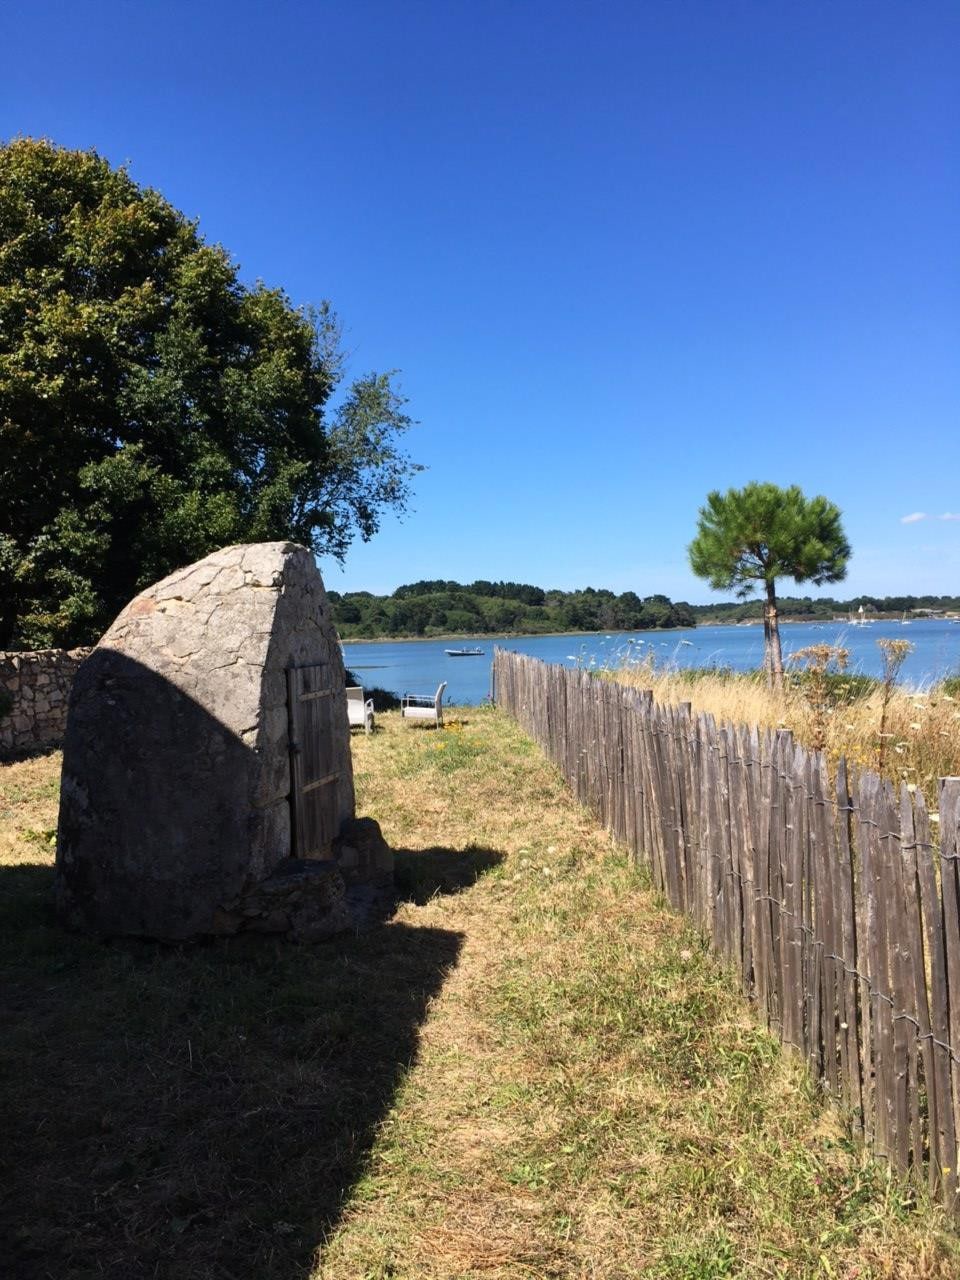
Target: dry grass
{"x":186,"y":1112}
{"x":591,"y":1097}
{"x":29,"y":798}
{"x":920,"y":742}
{"x":533,"y":1071}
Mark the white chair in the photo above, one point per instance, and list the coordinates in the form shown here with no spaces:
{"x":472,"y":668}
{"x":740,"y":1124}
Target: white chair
{"x":425,"y":707}
{"x":359,"y":712}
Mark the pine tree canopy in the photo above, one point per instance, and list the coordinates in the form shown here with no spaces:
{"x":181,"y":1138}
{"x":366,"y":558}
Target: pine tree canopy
{"x":761,"y":532}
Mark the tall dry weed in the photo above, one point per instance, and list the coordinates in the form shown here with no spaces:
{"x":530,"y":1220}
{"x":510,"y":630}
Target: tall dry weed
{"x":844,"y":716}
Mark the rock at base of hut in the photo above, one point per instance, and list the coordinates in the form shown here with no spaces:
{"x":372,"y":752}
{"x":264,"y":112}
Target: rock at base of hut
{"x":303,"y":900}
{"x":308,"y":901}
{"x":365,"y":861}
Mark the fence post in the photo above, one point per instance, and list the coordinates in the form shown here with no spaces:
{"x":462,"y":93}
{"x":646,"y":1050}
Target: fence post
{"x":949,"y":808}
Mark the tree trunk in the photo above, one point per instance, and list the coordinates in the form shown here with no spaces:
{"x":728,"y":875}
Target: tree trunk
{"x":773,"y":655}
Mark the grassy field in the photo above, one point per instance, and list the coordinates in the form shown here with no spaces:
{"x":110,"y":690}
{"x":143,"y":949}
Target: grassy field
{"x":532,"y":1071}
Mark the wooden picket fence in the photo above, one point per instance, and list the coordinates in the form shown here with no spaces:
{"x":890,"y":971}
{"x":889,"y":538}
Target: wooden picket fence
{"x":839,"y":911}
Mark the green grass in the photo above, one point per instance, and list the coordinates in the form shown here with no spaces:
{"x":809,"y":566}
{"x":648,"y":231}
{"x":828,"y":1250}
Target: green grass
{"x":534,"y":1070}
{"x":592,"y":1097}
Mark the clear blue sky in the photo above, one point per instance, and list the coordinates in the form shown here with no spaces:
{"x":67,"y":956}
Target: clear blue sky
{"x":623,"y":253}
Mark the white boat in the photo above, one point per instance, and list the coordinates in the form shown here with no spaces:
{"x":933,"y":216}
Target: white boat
{"x":464,"y":653}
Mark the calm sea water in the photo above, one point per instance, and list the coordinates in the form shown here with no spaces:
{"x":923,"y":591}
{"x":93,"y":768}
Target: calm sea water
{"x":418,"y":666}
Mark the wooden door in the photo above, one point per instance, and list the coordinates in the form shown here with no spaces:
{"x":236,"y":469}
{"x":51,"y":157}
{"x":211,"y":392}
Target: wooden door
{"x":314,"y":766}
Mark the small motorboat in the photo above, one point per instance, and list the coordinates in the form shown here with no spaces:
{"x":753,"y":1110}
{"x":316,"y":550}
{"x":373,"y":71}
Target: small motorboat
{"x":464,"y":653}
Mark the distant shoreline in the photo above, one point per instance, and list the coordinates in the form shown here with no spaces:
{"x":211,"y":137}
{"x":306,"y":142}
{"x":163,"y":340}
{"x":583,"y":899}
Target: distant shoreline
{"x":478,"y":636}
{"x":492,"y":636}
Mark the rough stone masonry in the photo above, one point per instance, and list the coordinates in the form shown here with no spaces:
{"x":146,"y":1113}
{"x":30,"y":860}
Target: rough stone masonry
{"x":34,"y":691}
{"x":175,"y":812}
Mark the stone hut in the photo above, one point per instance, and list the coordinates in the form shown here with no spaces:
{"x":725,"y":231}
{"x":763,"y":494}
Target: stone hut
{"x":207,"y":783}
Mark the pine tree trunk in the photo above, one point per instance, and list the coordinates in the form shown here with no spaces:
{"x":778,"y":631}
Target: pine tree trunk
{"x":773,"y":654}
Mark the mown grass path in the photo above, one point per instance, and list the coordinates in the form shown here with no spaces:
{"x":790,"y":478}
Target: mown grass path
{"x":591,"y":1098}
{"x":532,"y":1071}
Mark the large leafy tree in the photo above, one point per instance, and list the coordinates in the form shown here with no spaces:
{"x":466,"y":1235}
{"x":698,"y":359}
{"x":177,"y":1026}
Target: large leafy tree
{"x":152,"y":407}
{"x":748,"y":538}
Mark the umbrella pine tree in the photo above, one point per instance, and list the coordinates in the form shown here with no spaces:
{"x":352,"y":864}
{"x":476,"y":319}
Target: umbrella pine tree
{"x":748,"y":538}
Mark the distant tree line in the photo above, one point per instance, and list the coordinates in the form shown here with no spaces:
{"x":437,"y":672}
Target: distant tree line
{"x":439,"y":607}
{"x":824,"y":607}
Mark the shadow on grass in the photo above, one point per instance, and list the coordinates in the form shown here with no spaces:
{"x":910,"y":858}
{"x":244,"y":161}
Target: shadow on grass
{"x":193,"y":1112}
{"x":23,"y":754}
{"x":422,"y":874}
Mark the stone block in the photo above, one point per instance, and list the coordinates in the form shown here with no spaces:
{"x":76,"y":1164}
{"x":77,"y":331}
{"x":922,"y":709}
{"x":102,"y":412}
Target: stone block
{"x":176,"y":805}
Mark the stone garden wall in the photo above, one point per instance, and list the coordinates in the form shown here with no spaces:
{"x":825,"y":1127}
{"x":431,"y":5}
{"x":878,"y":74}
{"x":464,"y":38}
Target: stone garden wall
{"x":34,"y":692}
